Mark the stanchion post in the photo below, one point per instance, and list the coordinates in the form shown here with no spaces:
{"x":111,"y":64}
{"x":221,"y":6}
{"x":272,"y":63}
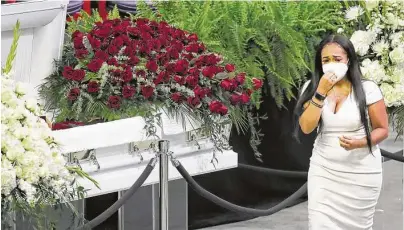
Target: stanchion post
{"x":163,"y":153}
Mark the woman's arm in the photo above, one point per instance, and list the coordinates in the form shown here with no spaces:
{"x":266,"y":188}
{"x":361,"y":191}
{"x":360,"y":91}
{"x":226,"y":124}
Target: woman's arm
{"x":380,"y":123}
{"x":379,"y":120}
{"x":310,"y":117}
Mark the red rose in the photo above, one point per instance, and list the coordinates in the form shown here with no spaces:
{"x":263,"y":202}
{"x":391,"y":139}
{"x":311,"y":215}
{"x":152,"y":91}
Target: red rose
{"x":127,"y":75}
{"x":218,"y":107}
{"x":209,"y":71}
{"x":113,"y":50}
{"x":147,"y":91}
{"x":66,"y":125}
{"x":118,"y":42}
{"x":119,"y":29}
{"x":193,"y":37}
{"x":93,"y":87}
{"x":114,"y":102}
{"x":230,"y":67}
{"x":112,"y":61}
{"x":180,"y":80}
{"x":174,"y":54}
{"x":160,"y":77}
{"x":77,"y":34}
{"x":212,"y":59}
{"x":163,"y":58}
{"x":228,"y":84}
{"x":80,"y":53}
{"x":78,"y":43}
{"x":128,"y":51}
{"x":68,"y":72}
{"x":240,"y":78}
{"x":78,"y":75}
{"x":177,"y":97}
{"x":193,"y":101}
{"x":188,"y":56}
{"x":234,"y":99}
{"x":140,"y":73}
{"x":193,"y":47}
{"x":103,"y":32}
{"x":73,"y":94}
{"x":134,"y":32}
{"x":181,"y":66}
{"x":99,"y":54}
{"x":244,"y":98}
{"x":128,"y":91}
{"x":95,"y":65}
{"x":152,"y":65}
{"x":170,"y":67}
{"x":257,"y":83}
{"x":194,"y":71}
{"x":95,"y":43}
{"x":200,"y":92}
{"x":133,"y":60}
{"x":192,"y":81}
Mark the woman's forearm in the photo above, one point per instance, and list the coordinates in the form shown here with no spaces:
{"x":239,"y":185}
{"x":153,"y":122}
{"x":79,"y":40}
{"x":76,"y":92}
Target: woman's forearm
{"x":309,"y":119}
{"x":376,"y":136}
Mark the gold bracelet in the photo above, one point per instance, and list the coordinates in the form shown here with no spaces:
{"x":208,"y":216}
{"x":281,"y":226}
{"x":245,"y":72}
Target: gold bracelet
{"x":316,"y":104}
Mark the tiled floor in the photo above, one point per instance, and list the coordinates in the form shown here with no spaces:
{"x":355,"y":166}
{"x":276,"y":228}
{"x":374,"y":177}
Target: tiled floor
{"x":389,"y":213}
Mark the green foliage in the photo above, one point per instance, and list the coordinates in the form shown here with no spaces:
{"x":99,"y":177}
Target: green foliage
{"x":13,"y":49}
{"x":397,"y":116}
{"x":273,"y":40}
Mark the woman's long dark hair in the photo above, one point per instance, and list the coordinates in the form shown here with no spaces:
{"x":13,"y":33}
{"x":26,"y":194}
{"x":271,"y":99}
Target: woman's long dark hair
{"x":354,"y":75}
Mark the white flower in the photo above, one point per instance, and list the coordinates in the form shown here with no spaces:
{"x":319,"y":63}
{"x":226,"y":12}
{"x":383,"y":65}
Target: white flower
{"x":397,"y":75}
{"x":28,"y":189}
{"x":372,"y":70}
{"x":392,"y":20}
{"x":20,"y":89}
{"x":340,"y":30}
{"x":397,"y":55}
{"x":8,"y":97}
{"x":32,"y":105}
{"x":397,"y":39}
{"x":8,"y":179}
{"x":353,"y":13}
{"x":362,"y":40}
{"x":393,"y":94}
{"x":371,"y":4}
{"x":380,"y":47}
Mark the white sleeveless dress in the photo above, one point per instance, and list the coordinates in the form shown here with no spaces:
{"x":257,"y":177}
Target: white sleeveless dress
{"x":344,"y":186}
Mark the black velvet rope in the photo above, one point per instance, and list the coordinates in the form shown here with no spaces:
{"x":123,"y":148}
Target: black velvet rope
{"x":398,"y":156}
{"x":291,"y":200}
{"x":128,"y":194}
{"x":284,"y":173}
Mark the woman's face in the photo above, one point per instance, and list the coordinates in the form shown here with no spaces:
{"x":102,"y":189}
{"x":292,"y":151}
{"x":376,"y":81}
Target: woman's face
{"x":332,"y":52}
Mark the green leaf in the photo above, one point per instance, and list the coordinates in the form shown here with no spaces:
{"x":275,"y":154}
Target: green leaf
{"x":13,"y":49}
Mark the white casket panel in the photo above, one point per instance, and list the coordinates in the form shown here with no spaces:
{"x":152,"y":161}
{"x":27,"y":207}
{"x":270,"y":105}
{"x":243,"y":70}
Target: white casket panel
{"x":42,"y":25}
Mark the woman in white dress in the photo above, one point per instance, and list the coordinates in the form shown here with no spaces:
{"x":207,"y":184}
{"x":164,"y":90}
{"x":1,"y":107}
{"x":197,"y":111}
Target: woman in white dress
{"x":345,"y":175}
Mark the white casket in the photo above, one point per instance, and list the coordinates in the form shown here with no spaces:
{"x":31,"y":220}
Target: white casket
{"x":119,"y":151}
{"x":105,"y":150}
{"x":41,"y":40}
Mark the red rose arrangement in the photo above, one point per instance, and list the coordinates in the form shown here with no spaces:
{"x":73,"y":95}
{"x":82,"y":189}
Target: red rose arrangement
{"x":121,"y":67}
{"x":123,"y":63}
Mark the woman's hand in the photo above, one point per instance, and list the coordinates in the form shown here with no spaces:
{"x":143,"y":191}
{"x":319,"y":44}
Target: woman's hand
{"x":349,"y":143}
{"x":326,"y":83}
